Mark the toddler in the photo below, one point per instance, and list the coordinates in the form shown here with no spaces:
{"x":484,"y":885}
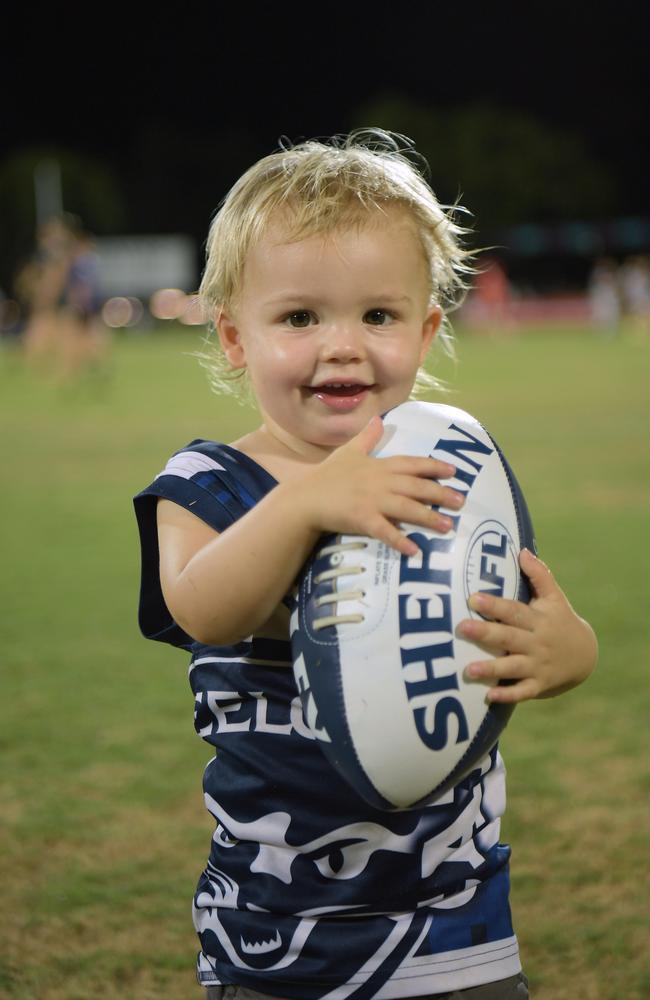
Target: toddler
{"x":330,"y":267}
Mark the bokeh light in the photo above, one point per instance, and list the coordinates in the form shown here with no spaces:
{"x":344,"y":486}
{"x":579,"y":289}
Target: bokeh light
{"x":168,"y":303}
{"x":121,"y":311}
{"x":193,"y":314}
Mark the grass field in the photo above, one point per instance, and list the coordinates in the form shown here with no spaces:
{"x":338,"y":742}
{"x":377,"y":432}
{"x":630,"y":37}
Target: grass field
{"x":103,"y":826}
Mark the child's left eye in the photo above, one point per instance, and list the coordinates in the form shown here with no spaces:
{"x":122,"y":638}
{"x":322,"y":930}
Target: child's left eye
{"x":299,"y":319}
{"x":377,"y":317}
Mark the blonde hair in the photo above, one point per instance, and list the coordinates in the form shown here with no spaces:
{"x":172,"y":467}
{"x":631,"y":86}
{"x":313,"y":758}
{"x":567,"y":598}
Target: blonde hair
{"x":318,"y":187}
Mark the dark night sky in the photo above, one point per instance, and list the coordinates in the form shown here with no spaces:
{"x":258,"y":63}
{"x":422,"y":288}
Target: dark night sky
{"x":200,"y":72}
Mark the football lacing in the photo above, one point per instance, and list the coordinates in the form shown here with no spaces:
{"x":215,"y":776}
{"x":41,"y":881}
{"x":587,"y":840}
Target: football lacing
{"x":335,"y":552}
{"x":338,"y":547}
{"x":339,"y":595}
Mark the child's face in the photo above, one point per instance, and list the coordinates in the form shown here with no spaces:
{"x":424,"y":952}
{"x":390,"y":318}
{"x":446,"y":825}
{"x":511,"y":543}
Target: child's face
{"x":332,"y":329}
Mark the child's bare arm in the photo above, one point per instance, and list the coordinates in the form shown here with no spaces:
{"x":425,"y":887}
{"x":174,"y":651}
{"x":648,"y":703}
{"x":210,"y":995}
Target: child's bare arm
{"x":544,"y":647}
{"x":223,"y":587}
{"x":220,"y":587}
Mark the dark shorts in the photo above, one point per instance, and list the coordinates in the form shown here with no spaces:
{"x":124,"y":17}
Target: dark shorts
{"x":513,"y":988}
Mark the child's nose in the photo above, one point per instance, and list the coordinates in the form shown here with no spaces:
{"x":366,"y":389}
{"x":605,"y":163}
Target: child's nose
{"x":344,"y":343}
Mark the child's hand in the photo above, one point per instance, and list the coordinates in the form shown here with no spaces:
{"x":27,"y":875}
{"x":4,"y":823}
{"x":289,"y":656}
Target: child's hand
{"x":355,"y":493}
{"x":543,"y":647}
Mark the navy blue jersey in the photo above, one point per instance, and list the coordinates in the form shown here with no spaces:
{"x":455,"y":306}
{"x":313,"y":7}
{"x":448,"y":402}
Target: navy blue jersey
{"x":309,"y":892}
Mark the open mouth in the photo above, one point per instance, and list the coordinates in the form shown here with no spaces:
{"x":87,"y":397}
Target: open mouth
{"x":340,"y":395}
{"x":339,"y":388}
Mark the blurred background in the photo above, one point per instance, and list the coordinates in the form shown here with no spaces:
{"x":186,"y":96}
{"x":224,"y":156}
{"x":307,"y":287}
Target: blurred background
{"x":120,"y":134}
{"x":138,"y":129}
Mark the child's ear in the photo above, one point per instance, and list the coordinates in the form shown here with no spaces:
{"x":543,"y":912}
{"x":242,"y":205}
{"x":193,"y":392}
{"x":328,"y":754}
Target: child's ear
{"x":430,"y":328}
{"x":230,"y":340}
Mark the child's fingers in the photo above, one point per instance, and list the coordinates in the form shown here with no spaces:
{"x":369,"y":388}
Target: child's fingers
{"x":427,"y":468}
{"x":513,"y":694}
{"x":538,"y":573}
{"x":428,"y":491}
{"x":385,"y":531}
{"x":515,"y":669}
{"x":400,"y":510}
{"x":408,"y":511}
{"x":501,"y":668}
{"x":495,"y":637}
{"x":500,"y":609}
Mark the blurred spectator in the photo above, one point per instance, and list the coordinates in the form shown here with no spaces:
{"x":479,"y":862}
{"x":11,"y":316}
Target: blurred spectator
{"x":87,"y":336}
{"x":41,"y":286}
{"x":491,"y":295}
{"x":60,"y":287}
{"x":605,"y":296}
{"x":635,"y":292}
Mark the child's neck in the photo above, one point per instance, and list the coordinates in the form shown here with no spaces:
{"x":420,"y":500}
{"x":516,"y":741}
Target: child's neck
{"x":284,"y":459}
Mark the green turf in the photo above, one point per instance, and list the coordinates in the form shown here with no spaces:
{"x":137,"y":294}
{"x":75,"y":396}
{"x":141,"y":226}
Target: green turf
{"x":103,"y":828}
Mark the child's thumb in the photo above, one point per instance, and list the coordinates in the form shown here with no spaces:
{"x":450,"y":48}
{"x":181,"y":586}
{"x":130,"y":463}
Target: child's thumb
{"x":369,"y":437}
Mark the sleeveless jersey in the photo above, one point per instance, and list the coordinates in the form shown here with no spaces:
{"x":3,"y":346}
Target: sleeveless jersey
{"x":308,"y":892}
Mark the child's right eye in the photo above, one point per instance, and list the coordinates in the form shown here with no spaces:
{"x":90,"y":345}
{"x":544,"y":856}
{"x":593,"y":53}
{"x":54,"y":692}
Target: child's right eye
{"x":298,"y":320}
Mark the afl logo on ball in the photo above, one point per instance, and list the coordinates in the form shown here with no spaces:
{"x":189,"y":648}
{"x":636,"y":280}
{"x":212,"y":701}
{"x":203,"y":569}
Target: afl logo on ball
{"x":491,"y":564}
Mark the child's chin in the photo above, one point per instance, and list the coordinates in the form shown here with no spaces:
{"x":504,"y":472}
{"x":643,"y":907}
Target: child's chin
{"x":345,"y":425}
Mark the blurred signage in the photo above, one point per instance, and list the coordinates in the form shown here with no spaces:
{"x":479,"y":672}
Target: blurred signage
{"x":585,"y":239}
{"x":139,"y":265}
